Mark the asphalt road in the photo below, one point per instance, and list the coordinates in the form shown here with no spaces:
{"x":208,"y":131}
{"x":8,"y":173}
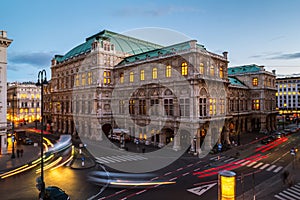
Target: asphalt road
{"x":195,"y":178}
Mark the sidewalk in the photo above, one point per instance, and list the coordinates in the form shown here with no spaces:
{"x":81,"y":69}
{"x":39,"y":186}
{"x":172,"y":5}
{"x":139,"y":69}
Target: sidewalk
{"x":30,"y":153}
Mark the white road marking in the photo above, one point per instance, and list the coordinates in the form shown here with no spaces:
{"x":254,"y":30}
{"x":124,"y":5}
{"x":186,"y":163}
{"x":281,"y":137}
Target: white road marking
{"x":263,"y":167}
{"x":278,"y":169}
{"x":259,"y":164}
{"x":270,"y":168}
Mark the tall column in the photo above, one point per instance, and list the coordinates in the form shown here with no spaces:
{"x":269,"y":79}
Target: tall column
{"x":4,"y":44}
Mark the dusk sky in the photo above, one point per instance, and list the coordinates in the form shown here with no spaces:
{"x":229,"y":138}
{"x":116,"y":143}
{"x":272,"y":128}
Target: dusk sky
{"x":261,"y":32}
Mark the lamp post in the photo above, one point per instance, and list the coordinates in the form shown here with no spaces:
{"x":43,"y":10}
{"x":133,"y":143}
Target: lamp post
{"x":13,"y":126}
{"x":195,"y":143}
{"x":42,"y":79}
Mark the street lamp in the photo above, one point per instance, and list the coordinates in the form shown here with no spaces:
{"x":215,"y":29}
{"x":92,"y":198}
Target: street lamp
{"x":42,"y":80}
{"x":195,"y":143}
{"x":13,"y":126}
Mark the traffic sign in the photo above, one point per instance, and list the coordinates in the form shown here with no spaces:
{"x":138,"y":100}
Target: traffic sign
{"x":200,"y":190}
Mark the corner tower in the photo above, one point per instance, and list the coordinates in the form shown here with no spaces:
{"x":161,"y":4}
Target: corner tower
{"x":4,"y":43}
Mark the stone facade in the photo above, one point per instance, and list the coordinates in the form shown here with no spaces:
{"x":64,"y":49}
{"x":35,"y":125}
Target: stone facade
{"x":181,"y":95}
{"x":4,"y":44}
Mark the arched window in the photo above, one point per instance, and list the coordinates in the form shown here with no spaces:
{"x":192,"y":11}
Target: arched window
{"x":201,"y":68}
{"x":83,"y":79}
{"x":142,"y":75}
{"x":131,"y":77}
{"x":168,"y":71}
{"x":255,"y":81}
{"x":212,"y":70}
{"x":154,"y":73}
{"x":221,"y":72}
{"x":122,"y":77}
{"x":184,"y":69}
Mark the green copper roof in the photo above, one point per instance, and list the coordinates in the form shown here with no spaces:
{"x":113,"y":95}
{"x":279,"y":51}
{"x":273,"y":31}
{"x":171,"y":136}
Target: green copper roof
{"x":159,"y":52}
{"x":235,"y":81}
{"x":244,"y":69}
{"x":121,"y":42}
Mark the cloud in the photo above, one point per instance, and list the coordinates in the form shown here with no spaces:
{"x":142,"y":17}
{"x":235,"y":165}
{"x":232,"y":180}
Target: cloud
{"x":287,"y":56}
{"x":277,"y":56}
{"x":34,"y":59}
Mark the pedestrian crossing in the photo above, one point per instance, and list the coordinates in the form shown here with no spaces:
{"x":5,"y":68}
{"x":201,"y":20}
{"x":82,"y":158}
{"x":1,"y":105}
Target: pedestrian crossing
{"x":248,"y":163}
{"x":119,"y":158}
{"x":291,"y":193}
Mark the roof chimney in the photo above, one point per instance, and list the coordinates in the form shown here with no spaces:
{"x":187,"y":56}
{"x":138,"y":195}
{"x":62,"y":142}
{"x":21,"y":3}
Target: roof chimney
{"x":274,"y":71}
{"x":225,"y":54}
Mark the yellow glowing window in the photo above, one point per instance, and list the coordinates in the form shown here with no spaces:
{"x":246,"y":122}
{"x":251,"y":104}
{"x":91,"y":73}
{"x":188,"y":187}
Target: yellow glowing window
{"x":221,"y":72}
{"x":131,"y":77}
{"x":284,"y":104}
{"x":21,"y":110}
{"x":83,"y":79}
{"x":201,"y":68}
{"x":154,"y":73}
{"x":184,"y":69}
{"x":168,"y":71}
{"x":142,"y":75}
{"x":212,"y":106}
{"x":212,"y":70}
{"x":77,"y":80}
{"x":89,"y":78}
{"x":255,"y":81}
{"x":121,"y":77}
{"x":284,"y":93}
{"x":32,"y":110}
{"x":106,"y":77}
{"x":289,"y":93}
{"x":276,"y":93}
{"x":294,"y":93}
{"x":280,"y":86}
{"x":255,"y":104}
{"x":32,"y":96}
{"x":284,"y":86}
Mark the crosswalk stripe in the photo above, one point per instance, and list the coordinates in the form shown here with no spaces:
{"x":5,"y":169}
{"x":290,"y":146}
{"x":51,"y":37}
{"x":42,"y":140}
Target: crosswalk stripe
{"x":239,"y":162}
{"x":285,"y":196}
{"x":290,"y":194}
{"x":293,"y":191}
{"x":297,"y":186}
{"x":270,"y":168}
{"x":101,"y":160}
{"x":121,"y":158}
{"x":296,"y":189}
{"x":279,"y":197}
{"x":230,"y":159}
{"x":263,"y":167}
{"x":253,"y":163}
{"x":278,"y":169}
{"x":259,"y":164}
{"x":245,"y":163}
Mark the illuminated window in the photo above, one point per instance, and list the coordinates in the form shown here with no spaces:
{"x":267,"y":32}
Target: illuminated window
{"x":212,"y":70}
{"x":212,"y":107}
{"x":89,"y":78}
{"x":142,"y":74}
{"x":255,"y":104}
{"x":201,"y":68}
{"x":106,"y":77}
{"x":221,"y":72}
{"x":32,"y":96}
{"x":77,"y":80}
{"x":168,"y":71}
{"x":38,"y":96}
{"x":83,"y":79}
{"x":121,"y":77}
{"x":280,"y":86}
{"x":154,"y":73}
{"x":255,"y":81}
{"x":184,"y":69}
{"x":131,"y":77}
{"x":276,"y":93}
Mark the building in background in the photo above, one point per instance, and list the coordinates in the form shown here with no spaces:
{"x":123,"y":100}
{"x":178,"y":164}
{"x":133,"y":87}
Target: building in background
{"x":25,"y":99}
{"x":288,"y":97}
{"x":4,"y":44}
